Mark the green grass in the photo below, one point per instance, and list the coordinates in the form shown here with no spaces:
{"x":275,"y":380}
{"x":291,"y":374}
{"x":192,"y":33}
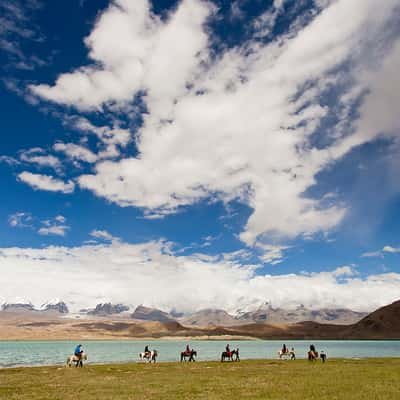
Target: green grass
{"x":253,"y":379}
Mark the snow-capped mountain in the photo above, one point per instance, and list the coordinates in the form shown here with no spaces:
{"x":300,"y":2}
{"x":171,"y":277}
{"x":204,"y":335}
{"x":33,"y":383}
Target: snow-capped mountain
{"x":54,"y":305}
{"x":22,"y":305}
{"x":17,"y":304}
{"x":104,"y":309}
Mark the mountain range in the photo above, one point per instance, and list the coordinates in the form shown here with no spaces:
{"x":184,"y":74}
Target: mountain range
{"x":52,"y":306}
{"x":383,"y":323}
{"x":202,"y":318}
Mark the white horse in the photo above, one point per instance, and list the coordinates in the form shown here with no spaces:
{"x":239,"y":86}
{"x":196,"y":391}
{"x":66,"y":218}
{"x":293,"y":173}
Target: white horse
{"x":150,"y":356}
{"x":286,"y":356}
{"x":78,"y":361}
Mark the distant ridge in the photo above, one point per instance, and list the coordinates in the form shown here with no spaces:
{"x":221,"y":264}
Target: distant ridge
{"x":104,"y":309}
{"x":55,"y":306}
{"x":151,"y":314}
{"x":384,"y":323}
{"x":17,"y":307}
{"x":209,"y":317}
{"x":268,"y":314}
{"x":201,"y":318}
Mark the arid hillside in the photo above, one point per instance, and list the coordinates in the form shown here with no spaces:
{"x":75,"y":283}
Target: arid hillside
{"x":383,"y":323}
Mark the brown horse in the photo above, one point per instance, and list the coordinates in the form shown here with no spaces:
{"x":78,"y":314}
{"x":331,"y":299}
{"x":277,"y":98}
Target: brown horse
{"x":230,"y":356}
{"x":312,"y":355}
{"x":191,"y":354}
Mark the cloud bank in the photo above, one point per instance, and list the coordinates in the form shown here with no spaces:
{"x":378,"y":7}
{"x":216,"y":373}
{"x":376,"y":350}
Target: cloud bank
{"x":150,"y":273}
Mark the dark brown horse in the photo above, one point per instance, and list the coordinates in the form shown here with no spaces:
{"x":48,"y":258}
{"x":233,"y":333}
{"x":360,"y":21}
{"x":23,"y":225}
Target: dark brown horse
{"x":191,"y":354}
{"x":312,"y":355}
{"x":230,"y":356}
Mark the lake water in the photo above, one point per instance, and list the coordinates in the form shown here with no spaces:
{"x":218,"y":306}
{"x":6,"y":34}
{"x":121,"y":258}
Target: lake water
{"x":22,"y":353}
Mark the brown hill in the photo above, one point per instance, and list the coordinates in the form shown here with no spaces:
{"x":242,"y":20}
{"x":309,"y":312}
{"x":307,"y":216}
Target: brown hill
{"x":301,"y":330}
{"x":151,"y":314}
{"x":384,"y":323}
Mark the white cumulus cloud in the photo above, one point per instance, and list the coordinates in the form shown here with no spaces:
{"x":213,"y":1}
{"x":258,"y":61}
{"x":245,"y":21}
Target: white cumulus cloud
{"x":240,"y":124}
{"x":103,"y":234}
{"x":46,"y":182}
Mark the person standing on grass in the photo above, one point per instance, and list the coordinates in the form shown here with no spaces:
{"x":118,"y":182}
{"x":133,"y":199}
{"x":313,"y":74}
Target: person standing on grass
{"x":292,"y":354}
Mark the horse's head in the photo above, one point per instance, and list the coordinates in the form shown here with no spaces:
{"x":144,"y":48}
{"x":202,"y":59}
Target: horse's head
{"x":155,"y":354}
{"x":84,"y":356}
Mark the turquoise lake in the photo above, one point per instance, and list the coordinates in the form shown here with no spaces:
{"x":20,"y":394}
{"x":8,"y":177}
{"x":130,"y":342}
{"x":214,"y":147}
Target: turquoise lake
{"x":25,"y":353}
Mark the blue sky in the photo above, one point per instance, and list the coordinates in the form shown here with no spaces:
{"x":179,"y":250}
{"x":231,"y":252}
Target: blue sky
{"x":251,"y":146}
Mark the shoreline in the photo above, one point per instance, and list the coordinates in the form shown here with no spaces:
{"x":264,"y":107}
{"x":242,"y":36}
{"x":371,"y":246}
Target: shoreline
{"x":216,"y":338}
{"x":140,"y":339}
{"x":138,"y":362}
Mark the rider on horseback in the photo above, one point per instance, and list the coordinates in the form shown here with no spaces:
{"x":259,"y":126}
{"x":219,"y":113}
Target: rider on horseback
{"x":146,"y":350}
{"x":78,"y":351}
{"x":227,"y":349}
{"x":187,"y":351}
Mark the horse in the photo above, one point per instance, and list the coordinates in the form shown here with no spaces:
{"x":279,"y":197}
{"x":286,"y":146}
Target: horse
{"x":312,"y":355}
{"x":288,"y":354}
{"x":283,"y":355}
{"x":150,"y":356}
{"x":191,"y":354}
{"x":75,"y":359}
{"x":231,"y":355}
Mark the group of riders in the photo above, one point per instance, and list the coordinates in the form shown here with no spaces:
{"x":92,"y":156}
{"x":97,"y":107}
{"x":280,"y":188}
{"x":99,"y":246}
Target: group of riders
{"x":312,"y":354}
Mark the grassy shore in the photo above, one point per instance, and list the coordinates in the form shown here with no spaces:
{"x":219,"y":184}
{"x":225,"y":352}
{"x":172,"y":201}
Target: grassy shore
{"x":253,"y":379}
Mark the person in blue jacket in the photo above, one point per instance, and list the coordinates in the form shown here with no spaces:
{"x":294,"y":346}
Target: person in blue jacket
{"x":78,"y":351}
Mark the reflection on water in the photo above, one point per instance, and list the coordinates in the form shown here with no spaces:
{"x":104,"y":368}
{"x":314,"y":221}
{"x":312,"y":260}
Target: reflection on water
{"x":56,"y":352}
